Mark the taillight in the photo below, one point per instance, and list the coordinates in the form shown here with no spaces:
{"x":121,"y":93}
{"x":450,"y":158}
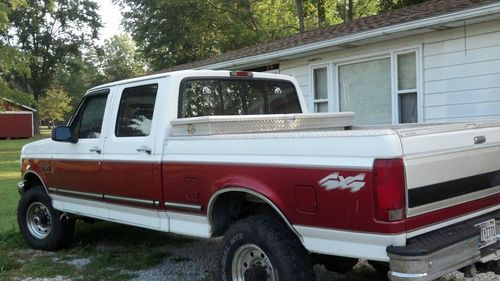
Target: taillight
{"x":389,"y":189}
{"x":240,"y":74}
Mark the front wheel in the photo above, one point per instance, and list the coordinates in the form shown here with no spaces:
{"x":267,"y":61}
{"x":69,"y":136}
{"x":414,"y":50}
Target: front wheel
{"x":40,"y":224}
{"x":262,"y":248}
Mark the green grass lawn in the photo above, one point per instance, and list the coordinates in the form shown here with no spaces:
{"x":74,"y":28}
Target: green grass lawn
{"x":111,"y":251}
{"x":10,"y":175}
{"x":108,"y":251}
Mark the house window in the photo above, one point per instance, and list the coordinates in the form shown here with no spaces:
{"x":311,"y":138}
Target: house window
{"x":379,"y":90}
{"x":365,"y":88}
{"x":407,"y":87}
{"x":320,"y":90}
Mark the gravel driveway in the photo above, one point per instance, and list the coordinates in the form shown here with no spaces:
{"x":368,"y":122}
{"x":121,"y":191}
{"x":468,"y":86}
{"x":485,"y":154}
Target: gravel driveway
{"x":196,"y":261}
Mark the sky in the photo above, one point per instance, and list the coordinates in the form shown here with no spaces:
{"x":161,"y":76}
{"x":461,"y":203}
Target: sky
{"x":111,"y":17}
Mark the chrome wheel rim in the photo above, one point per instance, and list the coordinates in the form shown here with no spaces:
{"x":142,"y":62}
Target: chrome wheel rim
{"x":38,"y":220}
{"x":251,"y":257}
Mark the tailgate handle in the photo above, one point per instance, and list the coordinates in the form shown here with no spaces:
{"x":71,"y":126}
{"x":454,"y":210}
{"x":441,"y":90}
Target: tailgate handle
{"x":479,"y":140}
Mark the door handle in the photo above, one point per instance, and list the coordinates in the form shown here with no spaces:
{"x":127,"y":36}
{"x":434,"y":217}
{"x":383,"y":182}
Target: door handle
{"x":95,"y":149}
{"x":479,"y":139}
{"x":144,"y":149}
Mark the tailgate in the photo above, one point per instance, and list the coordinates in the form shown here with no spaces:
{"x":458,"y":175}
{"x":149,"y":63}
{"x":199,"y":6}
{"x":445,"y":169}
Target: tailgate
{"x":447,"y":165}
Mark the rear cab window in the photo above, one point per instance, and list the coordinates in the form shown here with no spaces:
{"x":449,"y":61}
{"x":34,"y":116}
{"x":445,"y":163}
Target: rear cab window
{"x":236,"y":96}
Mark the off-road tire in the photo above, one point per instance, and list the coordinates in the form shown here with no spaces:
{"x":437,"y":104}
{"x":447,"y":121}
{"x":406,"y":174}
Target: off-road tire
{"x":61,"y":230}
{"x":289,"y":259}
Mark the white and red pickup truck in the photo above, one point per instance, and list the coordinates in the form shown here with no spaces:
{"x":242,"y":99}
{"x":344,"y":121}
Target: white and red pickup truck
{"x":212,"y":153}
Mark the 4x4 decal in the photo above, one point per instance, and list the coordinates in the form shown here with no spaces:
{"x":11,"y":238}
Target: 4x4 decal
{"x":335,"y":180}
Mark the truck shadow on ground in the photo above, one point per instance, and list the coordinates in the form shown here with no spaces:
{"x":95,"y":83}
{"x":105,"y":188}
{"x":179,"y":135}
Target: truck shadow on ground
{"x":109,"y":251}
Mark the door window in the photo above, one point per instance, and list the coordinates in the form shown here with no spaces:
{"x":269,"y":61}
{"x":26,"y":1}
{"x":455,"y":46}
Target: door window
{"x":136,"y":111}
{"x":88,"y":121}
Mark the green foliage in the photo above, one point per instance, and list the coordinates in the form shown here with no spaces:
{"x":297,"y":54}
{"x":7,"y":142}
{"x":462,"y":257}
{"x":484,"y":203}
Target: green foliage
{"x":120,"y":59}
{"x":387,"y":5}
{"x":6,"y":7}
{"x":172,"y":32}
{"x":16,"y":95}
{"x":175,"y":32}
{"x":13,"y":61}
{"x":54,"y":105}
{"x":78,"y":73}
{"x":50,"y":31}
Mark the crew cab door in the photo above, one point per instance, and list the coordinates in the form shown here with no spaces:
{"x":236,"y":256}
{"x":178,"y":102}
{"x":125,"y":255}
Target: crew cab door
{"x":130,"y":157}
{"x":76,"y":166}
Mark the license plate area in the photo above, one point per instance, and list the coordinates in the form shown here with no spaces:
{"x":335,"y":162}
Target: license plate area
{"x":488,"y":233}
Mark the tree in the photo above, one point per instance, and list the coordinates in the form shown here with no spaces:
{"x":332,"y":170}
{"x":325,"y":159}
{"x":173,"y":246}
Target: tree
{"x":387,"y":5}
{"x":12,"y":61}
{"x":6,"y":7}
{"x":300,"y":15}
{"x":171,"y":32}
{"x":51,"y":30}
{"x":78,"y":73}
{"x":348,"y":10}
{"x":54,"y":105}
{"x":121,"y":59}
{"x":176,"y":32}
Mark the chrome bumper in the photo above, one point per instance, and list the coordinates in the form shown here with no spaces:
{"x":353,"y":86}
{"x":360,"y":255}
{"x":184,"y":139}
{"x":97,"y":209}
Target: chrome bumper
{"x":421,"y":264}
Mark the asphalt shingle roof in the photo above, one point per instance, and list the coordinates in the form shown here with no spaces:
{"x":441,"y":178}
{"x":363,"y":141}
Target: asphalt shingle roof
{"x":425,"y":10}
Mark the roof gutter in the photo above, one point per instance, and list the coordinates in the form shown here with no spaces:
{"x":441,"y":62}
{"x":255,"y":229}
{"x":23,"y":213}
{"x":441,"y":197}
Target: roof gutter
{"x":422,"y":23}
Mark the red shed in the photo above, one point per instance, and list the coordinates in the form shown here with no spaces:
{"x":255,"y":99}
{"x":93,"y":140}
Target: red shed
{"x":16,"y":120}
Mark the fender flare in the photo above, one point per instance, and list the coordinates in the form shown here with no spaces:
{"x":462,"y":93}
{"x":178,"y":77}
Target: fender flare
{"x":216,"y":194}
{"x":31,"y":172}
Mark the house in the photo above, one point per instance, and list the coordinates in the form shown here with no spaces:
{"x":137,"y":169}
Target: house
{"x":438,"y":61}
{"x":16,"y":120}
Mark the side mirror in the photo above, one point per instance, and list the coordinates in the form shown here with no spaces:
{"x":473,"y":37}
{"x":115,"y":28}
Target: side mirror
{"x":63,"y":134}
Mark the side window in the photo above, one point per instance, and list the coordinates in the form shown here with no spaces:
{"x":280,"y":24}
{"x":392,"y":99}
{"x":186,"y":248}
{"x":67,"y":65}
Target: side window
{"x":320,"y":83}
{"x":88,"y":121}
{"x":282,"y":97}
{"x":136,"y":111}
{"x":407,"y":87}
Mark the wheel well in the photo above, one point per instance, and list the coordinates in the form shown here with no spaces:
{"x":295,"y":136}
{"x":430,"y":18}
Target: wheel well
{"x":231,"y":206}
{"x":30,"y":180}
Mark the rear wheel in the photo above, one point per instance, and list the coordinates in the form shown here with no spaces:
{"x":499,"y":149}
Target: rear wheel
{"x":262,"y":248}
{"x":40,"y":224}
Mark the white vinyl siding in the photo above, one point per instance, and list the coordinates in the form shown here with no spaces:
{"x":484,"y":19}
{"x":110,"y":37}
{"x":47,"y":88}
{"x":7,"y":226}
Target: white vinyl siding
{"x":462,"y":76}
{"x":454,"y":83}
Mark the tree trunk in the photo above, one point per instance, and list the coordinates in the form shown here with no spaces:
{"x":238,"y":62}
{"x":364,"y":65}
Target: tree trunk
{"x":350,"y":11}
{"x":36,"y":123}
{"x":321,"y":12}
{"x":300,"y":15}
